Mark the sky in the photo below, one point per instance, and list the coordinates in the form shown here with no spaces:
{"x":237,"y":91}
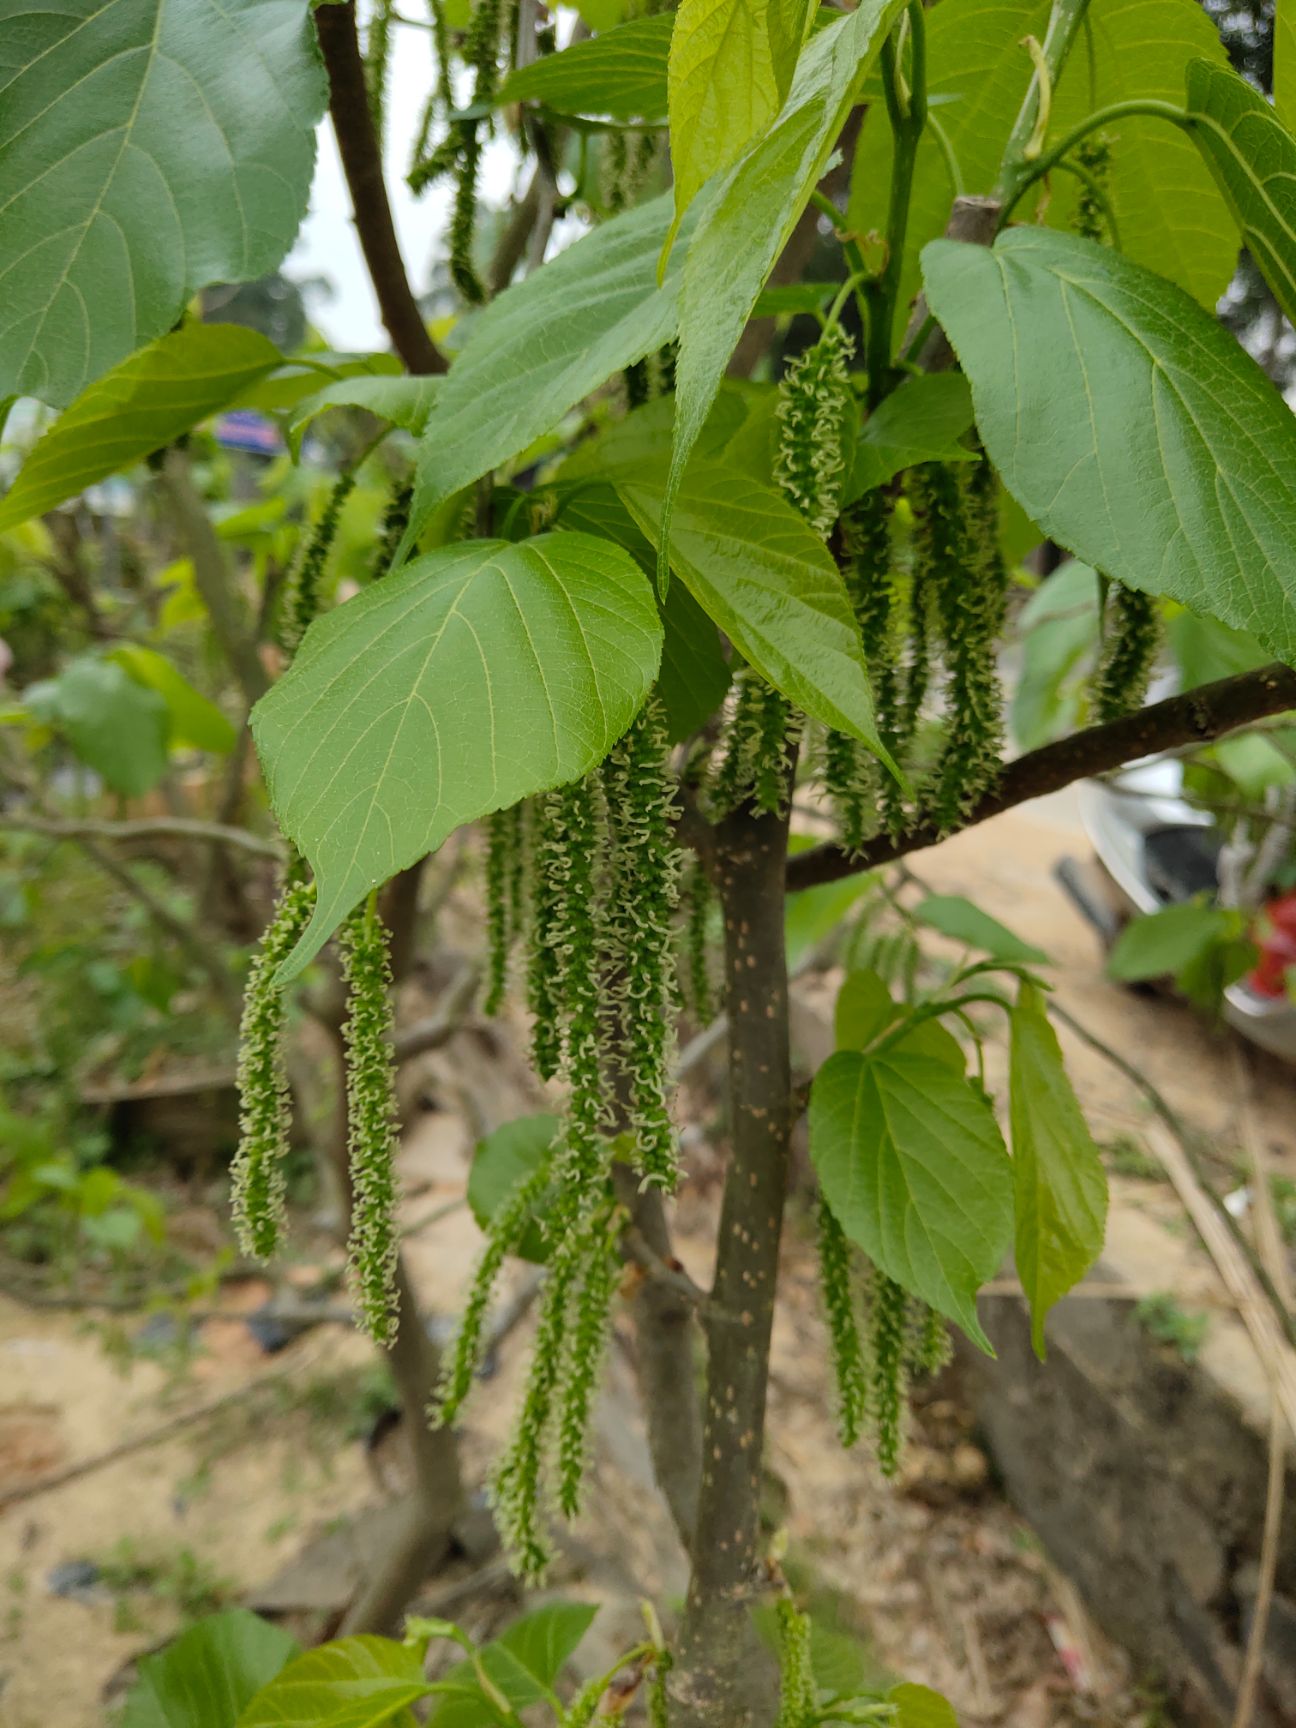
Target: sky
{"x":327,"y":245}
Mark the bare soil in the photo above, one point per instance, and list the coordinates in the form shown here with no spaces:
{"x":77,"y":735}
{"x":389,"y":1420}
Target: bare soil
{"x":258,"y":1498}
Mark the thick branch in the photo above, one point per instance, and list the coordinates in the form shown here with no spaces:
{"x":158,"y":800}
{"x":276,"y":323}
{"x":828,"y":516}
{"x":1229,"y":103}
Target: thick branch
{"x":362,"y":163}
{"x":1197,"y":717}
{"x":718,"y":1677}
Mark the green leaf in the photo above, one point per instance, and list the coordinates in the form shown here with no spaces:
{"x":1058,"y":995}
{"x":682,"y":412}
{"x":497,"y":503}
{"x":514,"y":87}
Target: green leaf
{"x":1205,"y":649}
{"x":694,"y":675}
{"x":537,"y":1646}
{"x":865,"y":1008}
{"x":1284,"y":66}
{"x":912,"y":1163}
{"x":350,"y":1683}
{"x":1059,"y":631}
{"x":116,"y":726}
{"x":923,"y":421}
{"x":473,"y":677}
{"x":1171,"y":216}
{"x":523,"y":1663}
{"x":920,"y":1707}
{"x":404,"y":402}
{"x":1253,"y":158}
{"x":151,"y":147}
{"x":731,"y":64}
{"x":768,"y":581}
{"x":542,"y":346}
{"x":146,"y":402}
{"x":206,"y":1676}
{"x":962,"y":921}
{"x":746,"y":225}
{"x":1161,"y":944}
{"x":1127,"y":423}
{"x":1059,"y":1183}
{"x":196,"y":723}
{"x":620,"y":72}
{"x":500,"y":1162}
{"x":811,"y":916}
{"x":694,"y":672}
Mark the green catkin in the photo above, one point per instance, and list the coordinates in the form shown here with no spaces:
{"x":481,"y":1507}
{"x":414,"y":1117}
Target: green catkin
{"x":371,"y":1121}
{"x":1094,"y":156}
{"x":797,"y":1698}
{"x":517,"y":869}
{"x":887,"y":1354}
{"x":814,"y":407}
{"x":1130,"y":645}
{"x":586,"y":1345}
{"x":699,"y":896}
{"x":499,"y":925}
{"x":481,"y":51}
{"x":304,"y":595}
{"x":971,"y":593}
{"x":507,"y":1228}
{"x":518,"y":1486}
{"x":637,"y":934}
{"x":584,"y":1706}
{"x":543,"y":974}
{"x":760,"y":739}
{"x":377,"y":62}
{"x":838,"y":1296}
{"x":856,"y":784}
{"x":572,"y":867}
{"x":638,"y":384}
{"x":395,"y":520}
{"x":614,"y":173}
{"x":265,"y":1118}
{"x":929,"y":1346}
{"x":658,"y":1700}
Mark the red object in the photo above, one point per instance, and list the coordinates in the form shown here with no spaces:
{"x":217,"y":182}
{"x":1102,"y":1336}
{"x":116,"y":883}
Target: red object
{"x":1275,"y":937}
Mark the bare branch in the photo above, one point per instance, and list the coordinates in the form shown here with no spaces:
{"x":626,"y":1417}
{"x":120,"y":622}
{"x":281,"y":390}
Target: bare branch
{"x":144,"y":828}
{"x":362,"y":164}
{"x":213,"y":580}
{"x":450,"y":1017}
{"x":1197,"y":717}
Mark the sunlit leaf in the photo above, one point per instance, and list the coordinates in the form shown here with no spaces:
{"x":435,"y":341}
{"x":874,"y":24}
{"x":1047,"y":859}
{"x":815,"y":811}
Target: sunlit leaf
{"x":150,"y":147}
{"x":473,"y":677}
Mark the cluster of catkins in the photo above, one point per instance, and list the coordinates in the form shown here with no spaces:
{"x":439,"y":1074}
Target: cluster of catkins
{"x":491,"y":27}
{"x":585,"y":884}
{"x":265,"y":1116}
{"x":947,"y":597}
{"x":1131,"y":635}
{"x":879,"y":1336}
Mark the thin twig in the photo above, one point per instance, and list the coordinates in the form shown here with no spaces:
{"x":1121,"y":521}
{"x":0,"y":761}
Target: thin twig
{"x":52,"y":1479}
{"x":1184,"y":1138}
{"x":450,"y":1016}
{"x":144,"y":828}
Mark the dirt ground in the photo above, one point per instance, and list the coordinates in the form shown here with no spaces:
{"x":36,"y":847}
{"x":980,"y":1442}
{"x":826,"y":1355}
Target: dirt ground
{"x":254,"y":1497}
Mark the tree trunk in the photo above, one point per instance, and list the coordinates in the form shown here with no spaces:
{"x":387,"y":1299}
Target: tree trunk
{"x":718,"y":1684}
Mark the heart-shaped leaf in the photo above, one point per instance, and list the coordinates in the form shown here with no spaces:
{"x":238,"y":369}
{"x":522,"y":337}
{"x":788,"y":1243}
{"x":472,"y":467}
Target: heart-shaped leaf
{"x":473,"y":677}
{"x":912,"y":1163}
{"x":1128,"y":423}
